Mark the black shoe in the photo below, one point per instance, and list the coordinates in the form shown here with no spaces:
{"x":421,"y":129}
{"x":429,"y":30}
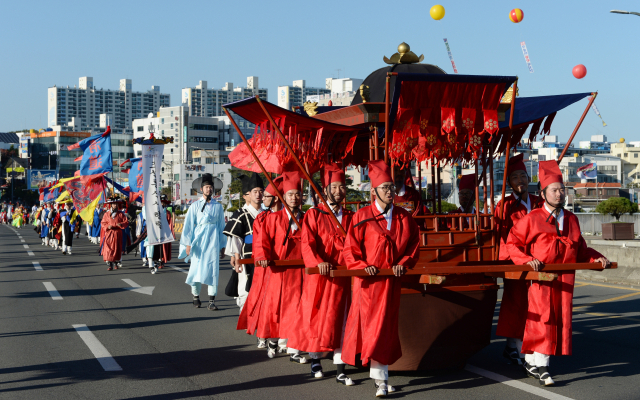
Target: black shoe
{"x":196,"y":301}
{"x":545,"y":377}
{"x":344,"y":380}
{"x":532,"y":370}
{"x":316,"y":368}
{"x":297,"y":358}
{"x":513,"y":355}
{"x":212,"y":306}
{"x":110,"y":267}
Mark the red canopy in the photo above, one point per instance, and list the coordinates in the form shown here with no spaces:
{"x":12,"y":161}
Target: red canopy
{"x":311,"y":139}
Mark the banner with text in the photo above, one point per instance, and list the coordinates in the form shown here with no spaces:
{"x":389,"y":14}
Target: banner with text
{"x":158,"y":230}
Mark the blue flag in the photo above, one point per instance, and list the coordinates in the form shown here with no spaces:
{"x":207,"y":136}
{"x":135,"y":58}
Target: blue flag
{"x":51,"y":195}
{"x":97,"y":156}
{"x":135,"y":175}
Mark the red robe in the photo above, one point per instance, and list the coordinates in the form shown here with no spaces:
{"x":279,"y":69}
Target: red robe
{"x":56,"y":226}
{"x":514,"y":305}
{"x":372,"y":325}
{"x":548,"y":327}
{"x":321,"y":311}
{"x":251,"y":311}
{"x":413,"y":204}
{"x":283,"y":288}
{"x":111,"y":239}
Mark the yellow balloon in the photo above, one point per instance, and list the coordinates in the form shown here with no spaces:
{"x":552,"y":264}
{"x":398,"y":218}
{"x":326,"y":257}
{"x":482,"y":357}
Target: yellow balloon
{"x":437,"y":12}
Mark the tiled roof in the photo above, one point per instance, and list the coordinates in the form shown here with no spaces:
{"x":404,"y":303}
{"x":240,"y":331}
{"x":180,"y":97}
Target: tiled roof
{"x":600,"y":185}
{"x":8,"y":137}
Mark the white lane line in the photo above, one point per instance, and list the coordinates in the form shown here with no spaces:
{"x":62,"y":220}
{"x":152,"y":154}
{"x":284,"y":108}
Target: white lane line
{"x":36,"y":265}
{"x":30,"y":253}
{"x":516,"y":384}
{"x":52,"y":291}
{"x":179,"y":269}
{"x":22,"y":240}
{"x":103,"y":356}
{"x":26,"y":246}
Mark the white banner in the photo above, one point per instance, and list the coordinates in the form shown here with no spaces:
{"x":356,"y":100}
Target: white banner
{"x":158,"y":230}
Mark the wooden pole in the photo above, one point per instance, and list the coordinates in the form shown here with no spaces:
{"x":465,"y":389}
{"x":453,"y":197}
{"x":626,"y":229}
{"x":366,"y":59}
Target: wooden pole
{"x":505,"y":176}
{"x":433,"y":188}
{"x":387,"y":107}
{"x":264,"y":171}
{"x":575,"y":130}
{"x":439,"y":188}
{"x":304,"y":171}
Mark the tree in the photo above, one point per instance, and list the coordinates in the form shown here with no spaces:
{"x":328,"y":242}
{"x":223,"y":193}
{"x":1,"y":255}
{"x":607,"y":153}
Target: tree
{"x":617,"y":206}
{"x":446,"y":207}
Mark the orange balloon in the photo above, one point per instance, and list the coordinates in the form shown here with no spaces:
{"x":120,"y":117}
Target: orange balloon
{"x":516,"y":15}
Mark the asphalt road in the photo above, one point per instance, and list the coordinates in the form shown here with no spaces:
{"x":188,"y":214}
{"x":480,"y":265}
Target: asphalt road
{"x":160,"y":347}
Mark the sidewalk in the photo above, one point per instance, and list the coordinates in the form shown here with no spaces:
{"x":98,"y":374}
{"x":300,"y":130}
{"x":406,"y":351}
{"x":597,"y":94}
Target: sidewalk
{"x":625,"y":252}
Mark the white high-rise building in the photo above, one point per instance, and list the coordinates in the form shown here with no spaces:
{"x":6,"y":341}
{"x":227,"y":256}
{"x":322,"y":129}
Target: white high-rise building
{"x":296,"y":95}
{"x":202,"y":101}
{"x":86,"y":104}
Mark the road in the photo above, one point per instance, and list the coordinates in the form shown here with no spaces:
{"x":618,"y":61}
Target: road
{"x":73,"y":330}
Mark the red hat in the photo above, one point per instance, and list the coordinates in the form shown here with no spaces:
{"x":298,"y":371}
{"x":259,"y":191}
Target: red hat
{"x":467,"y":182}
{"x":332,"y":173}
{"x":278,"y":182}
{"x":291,"y":181}
{"x":379,"y":173}
{"x":549,"y":172}
{"x":516,"y":164}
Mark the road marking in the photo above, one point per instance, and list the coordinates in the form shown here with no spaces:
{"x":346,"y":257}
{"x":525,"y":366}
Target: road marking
{"x":516,"y":384}
{"x":103,"y":356}
{"x":609,"y":300}
{"x":52,"y":291}
{"x":577,"y":286}
{"x":30,"y":253}
{"x":611,"y":286}
{"x":37,"y":266}
{"x":609,"y":316}
{"x":179,"y":269}
{"x":137,"y":288}
{"x":26,"y":246}
{"x":22,"y":240}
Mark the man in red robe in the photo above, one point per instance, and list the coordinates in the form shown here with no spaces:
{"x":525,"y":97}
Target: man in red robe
{"x":250,"y":315}
{"x":549,"y":235}
{"x":514,"y":305}
{"x":280,"y":239}
{"x":466,"y":198}
{"x":382,"y":236}
{"x":324,"y":304}
{"x":113,"y":223}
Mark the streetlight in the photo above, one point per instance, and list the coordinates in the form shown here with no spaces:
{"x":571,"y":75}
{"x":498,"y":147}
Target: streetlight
{"x":624,"y":12}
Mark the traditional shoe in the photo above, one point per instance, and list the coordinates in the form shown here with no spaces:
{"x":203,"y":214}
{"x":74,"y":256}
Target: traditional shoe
{"x":212,"y":306}
{"x":110,"y":267}
{"x":532,"y":370}
{"x":64,"y":252}
{"x":513,"y":355}
{"x":316,"y":369}
{"x":119,"y":264}
{"x":345,"y":380}
{"x":381,"y":389}
{"x":196,"y":301}
{"x":545,"y":377}
{"x":160,"y":266}
{"x":390,"y":388}
{"x":271,"y":349}
{"x":297,"y":358}
{"x":262,"y":343}
{"x":282,"y":349}
{"x":153,"y":270}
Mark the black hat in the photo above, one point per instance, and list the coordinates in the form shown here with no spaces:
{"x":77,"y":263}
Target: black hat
{"x":251,"y":182}
{"x":164,"y":198}
{"x":198,"y":183}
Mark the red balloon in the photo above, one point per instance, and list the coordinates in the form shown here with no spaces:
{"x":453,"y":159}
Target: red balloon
{"x":579,"y":71}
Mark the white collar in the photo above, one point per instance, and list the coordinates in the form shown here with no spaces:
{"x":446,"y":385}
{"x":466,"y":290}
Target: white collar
{"x":560,"y":216}
{"x":254,"y":213}
{"x":387,"y":216}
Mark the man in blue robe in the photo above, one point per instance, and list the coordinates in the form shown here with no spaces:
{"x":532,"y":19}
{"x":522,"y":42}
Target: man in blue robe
{"x":203,"y":241}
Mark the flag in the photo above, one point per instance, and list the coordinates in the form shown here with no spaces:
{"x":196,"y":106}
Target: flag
{"x":158,"y":230}
{"x":84,"y":195}
{"x":51,"y":194}
{"x":589,"y":171}
{"x":135,"y":175}
{"x":63,"y":196}
{"x":88,"y":212}
{"x":97,"y":156}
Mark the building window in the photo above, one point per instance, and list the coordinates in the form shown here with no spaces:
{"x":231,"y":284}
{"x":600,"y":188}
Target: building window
{"x":196,"y":160}
{"x":140,"y":128}
{"x":611,"y":192}
{"x":635,"y":155}
{"x":208,"y":160}
{"x":138,"y":153}
{"x":591,"y":192}
{"x":626,"y":154}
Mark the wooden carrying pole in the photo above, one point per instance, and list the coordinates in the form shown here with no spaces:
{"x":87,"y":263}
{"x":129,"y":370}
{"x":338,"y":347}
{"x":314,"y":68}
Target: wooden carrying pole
{"x":505,"y":176}
{"x":387,"y":107}
{"x":584,"y":114}
{"x":304,"y":171}
{"x":264,"y":171}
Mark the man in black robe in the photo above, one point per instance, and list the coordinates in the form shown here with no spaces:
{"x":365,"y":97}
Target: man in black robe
{"x":239,"y":231}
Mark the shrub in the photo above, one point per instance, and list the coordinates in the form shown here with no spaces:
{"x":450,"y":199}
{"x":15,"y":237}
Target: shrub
{"x":617,"y":206}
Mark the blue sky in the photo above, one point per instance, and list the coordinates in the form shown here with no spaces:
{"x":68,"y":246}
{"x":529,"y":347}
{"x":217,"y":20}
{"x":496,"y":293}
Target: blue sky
{"x":176,"y":44}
